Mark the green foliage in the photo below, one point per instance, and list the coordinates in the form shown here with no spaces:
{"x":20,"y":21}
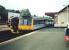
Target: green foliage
{"x":2,"y":10}
{"x":25,"y":12}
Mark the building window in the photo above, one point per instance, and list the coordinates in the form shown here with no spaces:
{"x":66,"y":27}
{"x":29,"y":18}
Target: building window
{"x":62,"y":22}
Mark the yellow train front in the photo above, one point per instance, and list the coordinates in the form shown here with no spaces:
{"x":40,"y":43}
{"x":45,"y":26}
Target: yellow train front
{"x":30,"y":23}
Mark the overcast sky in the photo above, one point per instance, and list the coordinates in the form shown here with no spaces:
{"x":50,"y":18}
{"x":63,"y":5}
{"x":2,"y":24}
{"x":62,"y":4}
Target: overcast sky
{"x":38,"y":7}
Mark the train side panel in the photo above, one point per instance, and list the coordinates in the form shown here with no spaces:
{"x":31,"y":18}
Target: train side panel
{"x":38,"y":26}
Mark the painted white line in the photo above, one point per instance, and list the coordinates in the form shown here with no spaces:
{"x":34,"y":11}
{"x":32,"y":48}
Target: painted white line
{"x":14,"y":39}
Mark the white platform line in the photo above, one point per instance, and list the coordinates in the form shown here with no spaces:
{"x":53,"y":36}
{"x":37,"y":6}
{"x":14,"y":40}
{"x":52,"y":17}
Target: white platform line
{"x":19,"y":37}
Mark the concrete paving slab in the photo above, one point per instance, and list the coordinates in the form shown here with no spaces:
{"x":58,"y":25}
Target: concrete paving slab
{"x":44,"y":39}
{"x":4,"y":27}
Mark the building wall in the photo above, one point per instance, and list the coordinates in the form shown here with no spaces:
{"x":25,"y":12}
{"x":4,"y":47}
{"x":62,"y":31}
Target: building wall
{"x":62,"y":19}
{"x":56,"y":19}
{"x":10,"y":14}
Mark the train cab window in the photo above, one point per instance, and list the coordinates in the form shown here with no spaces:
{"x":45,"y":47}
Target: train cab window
{"x":27,"y":21}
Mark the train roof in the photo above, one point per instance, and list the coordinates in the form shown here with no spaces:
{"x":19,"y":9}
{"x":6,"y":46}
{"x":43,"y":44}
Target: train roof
{"x":39,"y":18}
{"x":42,"y":18}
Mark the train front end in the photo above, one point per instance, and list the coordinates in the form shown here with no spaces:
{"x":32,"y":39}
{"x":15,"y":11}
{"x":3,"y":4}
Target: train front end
{"x":26,"y":24}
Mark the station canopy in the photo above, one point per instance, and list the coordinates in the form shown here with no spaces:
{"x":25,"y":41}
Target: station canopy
{"x":48,"y":17}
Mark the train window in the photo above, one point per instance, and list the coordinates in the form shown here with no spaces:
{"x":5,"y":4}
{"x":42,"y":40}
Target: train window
{"x":25,"y":22}
{"x":29,"y":22}
{"x":38,"y":22}
{"x":20,"y":21}
{"x":35,"y":22}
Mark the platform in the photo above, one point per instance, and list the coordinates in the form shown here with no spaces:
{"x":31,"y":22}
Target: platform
{"x":44,"y":39}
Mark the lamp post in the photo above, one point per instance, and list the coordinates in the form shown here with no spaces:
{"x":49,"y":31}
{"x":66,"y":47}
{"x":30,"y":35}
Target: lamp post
{"x":67,"y":15}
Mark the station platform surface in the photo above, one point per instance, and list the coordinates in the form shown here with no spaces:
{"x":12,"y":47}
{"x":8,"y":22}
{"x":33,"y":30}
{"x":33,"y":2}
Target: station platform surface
{"x":4,"y":27}
{"x":44,"y":39}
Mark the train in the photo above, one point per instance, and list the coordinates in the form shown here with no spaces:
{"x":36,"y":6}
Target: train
{"x":33,"y":23}
{"x":29,"y":24}
{"x":26,"y":23}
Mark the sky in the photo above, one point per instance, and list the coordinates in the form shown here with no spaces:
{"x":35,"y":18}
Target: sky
{"x":37,"y":7}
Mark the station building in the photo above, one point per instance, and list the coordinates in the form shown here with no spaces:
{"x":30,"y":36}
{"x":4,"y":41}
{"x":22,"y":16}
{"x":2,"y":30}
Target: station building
{"x":13,"y":13}
{"x":61,"y":18}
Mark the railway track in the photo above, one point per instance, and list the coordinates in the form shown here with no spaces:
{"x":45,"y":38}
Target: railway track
{"x":7,"y":34}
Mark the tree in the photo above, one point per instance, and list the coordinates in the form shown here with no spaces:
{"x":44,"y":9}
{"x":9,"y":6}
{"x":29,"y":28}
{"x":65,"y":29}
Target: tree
{"x":2,"y":10}
{"x":25,"y":13}
{"x":3,"y":14}
{"x":17,"y":11}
